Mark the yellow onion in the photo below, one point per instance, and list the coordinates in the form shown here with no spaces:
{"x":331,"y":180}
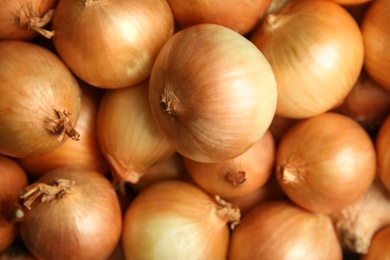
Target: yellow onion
{"x":379,"y":248}
{"x":382,"y":143}
{"x":316,"y":51}
{"x":212,"y":93}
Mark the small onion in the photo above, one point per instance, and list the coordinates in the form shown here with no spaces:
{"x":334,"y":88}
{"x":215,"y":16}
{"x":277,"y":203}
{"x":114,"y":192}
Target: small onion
{"x":127,"y":133}
{"x":316,"y":51}
{"x":76,"y":207}
{"x":376,"y":36}
{"x":239,"y":176}
{"x":84,"y":153}
{"x":177,"y":220}
{"x":13,"y":178}
{"x":282,"y":230}
{"x":326,"y":162}
{"x":39,"y":100}
{"x":212,"y":93}
{"x":25,"y":19}
{"x":238,"y":15}
{"x":382,"y":143}
{"x":111,"y":44}
{"x":379,"y":248}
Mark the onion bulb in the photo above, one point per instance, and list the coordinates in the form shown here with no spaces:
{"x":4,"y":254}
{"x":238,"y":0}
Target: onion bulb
{"x":111,"y":44}
{"x":238,"y":15}
{"x":379,"y":248}
{"x":382,"y":143}
{"x":13,"y":178}
{"x":316,"y":51}
{"x":25,"y":19}
{"x":326,"y":162}
{"x":282,"y":230}
{"x":39,"y":100}
{"x":212,"y":93}
{"x":239,"y":176}
{"x":127,"y":133}
{"x":376,"y":36}
{"x":177,"y":220}
{"x":78,"y":208}
{"x":357,"y":223}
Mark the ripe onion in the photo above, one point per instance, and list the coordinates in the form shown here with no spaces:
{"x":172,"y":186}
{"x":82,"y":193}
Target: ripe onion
{"x":357,"y":223}
{"x":316,"y":51}
{"x":13,"y":178}
{"x":25,"y":19}
{"x":76,"y":207}
{"x":282,"y":230}
{"x":379,"y":248}
{"x":212,"y":93}
{"x":376,"y":36}
{"x":382,"y":143}
{"x":127,"y":133}
{"x":240,"y":16}
{"x":239,"y":176}
{"x":177,"y":220}
{"x":326,"y":162}
{"x":111,"y":44}
{"x":39,"y":100}
{"x":84,"y":153}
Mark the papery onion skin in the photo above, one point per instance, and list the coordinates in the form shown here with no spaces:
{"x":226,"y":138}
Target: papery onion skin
{"x":174,"y":220}
{"x":376,"y":36}
{"x":18,"y":18}
{"x":382,"y":144}
{"x":379,"y":248}
{"x":40,"y":100}
{"x":326,"y":162}
{"x":238,"y":15}
{"x":239,"y":176}
{"x":119,"y":48}
{"x":85,"y":221}
{"x":212,"y":92}
{"x":316,"y":51}
{"x":282,"y":230}
{"x":13,"y":178}
{"x":127,"y":133}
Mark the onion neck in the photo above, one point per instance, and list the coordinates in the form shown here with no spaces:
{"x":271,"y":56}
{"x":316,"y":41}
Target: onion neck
{"x":169,"y":103}
{"x":62,"y":126}
{"x":235,"y":177}
{"x":28,"y":17}
{"x":122,"y":172}
{"x":228,"y":211}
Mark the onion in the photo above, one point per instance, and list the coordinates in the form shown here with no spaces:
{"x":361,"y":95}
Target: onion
{"x":376,"y":36}
{"x":316,"y":51}
{"x":276,"y":5}
{"x":25,"y":19}
{"x":85,"y":153}
{"x":357,"y":223}
{"x":39,"y":100}
{"x":127,"y":133}
{"x":282,"y":230}
{"x":12,"y":179}
{"x":382,"y":143}
{"x":111,"y":44}
{"x":212,"y":93}
{"x":177,"y":220}
{"x":76,"y":207}
{"x":367,"y":103}
{"x":379,"y":248}
{"x":239,"y":176}
{"x":326,"y":162}
{"x":240,"y":16}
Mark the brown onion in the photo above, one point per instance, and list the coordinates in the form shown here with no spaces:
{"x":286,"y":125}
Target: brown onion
{"x":316,"y":51}
{"x":13,"y":178}
{"x":376,"y":36}
{"x":282,"y":230}
{"x":212,"y":93}
{"x":240,"y":16}
{"x":84,"y":153}
{"x":239,"y":176}
{"x":357,"y":223}
{"x":25,"y":19}
{"x":78,"y":208}
{"x":382,"y":143}
{"x":39,"y":100}
{"x":326,"y":162}
{"x":127,"y":133}
{"x":111,"y":44}
{"x":177,"y":220}
{"x":379,"y":248}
